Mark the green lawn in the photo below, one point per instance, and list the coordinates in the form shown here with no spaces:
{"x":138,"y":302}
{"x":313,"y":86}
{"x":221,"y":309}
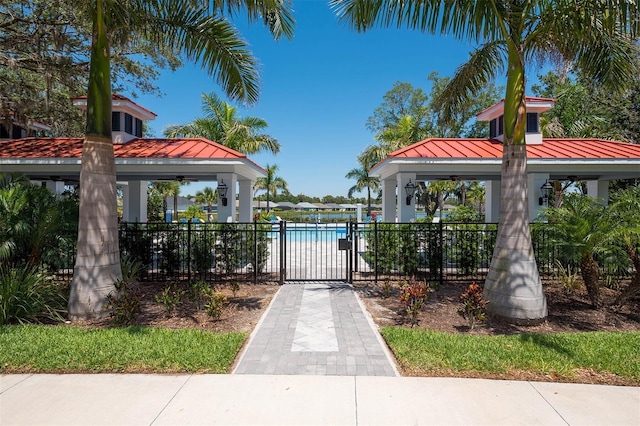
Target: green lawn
{"x":58,"y":349}
{"x":561,"y":355}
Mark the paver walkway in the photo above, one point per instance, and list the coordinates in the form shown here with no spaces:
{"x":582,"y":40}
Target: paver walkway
{"x":316,"y":328}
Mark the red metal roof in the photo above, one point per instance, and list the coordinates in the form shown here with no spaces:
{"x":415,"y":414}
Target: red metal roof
{"x":187,"y":148}
{"x":588,"y":149}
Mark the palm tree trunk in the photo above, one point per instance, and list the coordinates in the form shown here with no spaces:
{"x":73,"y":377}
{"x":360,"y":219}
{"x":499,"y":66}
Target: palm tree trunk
{"x":513,"y":285}
{"x":175,"y":207}
{"x":589,"y":271}
{"x":633,"y":289}
{"x":97,"y":265}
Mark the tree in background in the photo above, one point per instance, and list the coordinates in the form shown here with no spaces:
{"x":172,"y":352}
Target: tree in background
{"x":476,"y":196}
{"x":166,"y":190}
{"x":594,"y":36}
{"x":221,"y":124}
{"x":407,"y":115}
{"x":208,"y":196}
{"x":45,"y":46}
{"x":363,"y":181}
{"x":436,"y":192}
{"x":271,"y":183}
{"x":586,"y":109}
{"x":461,"y":123}
{"x":202,"y":34}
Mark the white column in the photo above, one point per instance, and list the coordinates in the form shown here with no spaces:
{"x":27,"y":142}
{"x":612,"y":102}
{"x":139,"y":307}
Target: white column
{"x":245,"y":196}
{"x":388,"y":200}
{"x":534,"y":183}
{"x":227,"y":213}
{"x":598,"y":189}
{"x":57,"y":187}
{"x":134,"y":202}
{"x":406,"y":213}
{"x":491,"y":201}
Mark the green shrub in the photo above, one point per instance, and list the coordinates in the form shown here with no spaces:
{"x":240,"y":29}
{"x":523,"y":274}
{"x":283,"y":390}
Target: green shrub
{"x":170,"y":253}
{"x":259,"y":243}
{"x":27,"y":295}
{"x":569,"y":277}
{"x":202,"y":250}
{"x":37,"y":228}
{"x":215,"y":305}
{"x":228,"y":249}
{"x":125,"y":303}
{"x":199,"y":292}
{"x":170,"y":298}
{"x":135,"y":243}
{"x":394,"y":247}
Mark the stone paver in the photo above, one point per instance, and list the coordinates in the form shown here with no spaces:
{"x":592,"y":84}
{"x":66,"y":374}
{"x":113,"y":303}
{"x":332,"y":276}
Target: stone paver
{"x":316,"y":328}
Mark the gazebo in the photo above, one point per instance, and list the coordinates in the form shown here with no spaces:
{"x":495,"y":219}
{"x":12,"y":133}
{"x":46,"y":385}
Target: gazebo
{"x":595,"y":161}
{"x":57,"y":161}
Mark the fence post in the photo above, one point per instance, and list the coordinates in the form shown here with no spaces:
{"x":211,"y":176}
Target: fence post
{"x":441,"y":249}
{"x":350,"y":239}
{"x":188,"y":251}
{"x":375,"y":251}
{"x":283,"y":252}
{"x":356,"y":243}
{"x":255,"y":252}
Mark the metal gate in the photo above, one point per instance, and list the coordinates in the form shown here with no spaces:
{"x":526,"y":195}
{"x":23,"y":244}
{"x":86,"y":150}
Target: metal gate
{"x":316,"y":251}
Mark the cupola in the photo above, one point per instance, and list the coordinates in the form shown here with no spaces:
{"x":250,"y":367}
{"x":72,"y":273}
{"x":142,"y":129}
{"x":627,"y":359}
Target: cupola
{"x":126,"y":117}
{"x":535,"y":106}
{"x":10,"y":128}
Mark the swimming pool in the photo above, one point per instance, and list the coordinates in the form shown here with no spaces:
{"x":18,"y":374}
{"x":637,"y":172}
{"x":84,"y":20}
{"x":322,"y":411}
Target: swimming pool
{"x":312,"y":232}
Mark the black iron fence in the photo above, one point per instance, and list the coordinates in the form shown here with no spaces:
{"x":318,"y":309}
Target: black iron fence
{"x":213,"y":252}
{"x":282,"y":251}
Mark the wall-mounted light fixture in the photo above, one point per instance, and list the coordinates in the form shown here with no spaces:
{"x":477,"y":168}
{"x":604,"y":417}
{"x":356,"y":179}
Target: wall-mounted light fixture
{"x":410,"y":190}
{"x":545,"y":190}
{"x":222,"y":192}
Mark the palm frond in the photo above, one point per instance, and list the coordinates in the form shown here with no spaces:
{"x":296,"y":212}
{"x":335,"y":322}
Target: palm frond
{"x":277,"y":15}
{"x":208,"y":40}
{"x":471,"y":77}
{"x":462,"y":19}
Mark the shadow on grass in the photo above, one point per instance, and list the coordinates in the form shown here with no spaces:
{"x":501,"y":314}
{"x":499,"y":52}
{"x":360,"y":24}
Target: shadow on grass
{"x":547,"y":341}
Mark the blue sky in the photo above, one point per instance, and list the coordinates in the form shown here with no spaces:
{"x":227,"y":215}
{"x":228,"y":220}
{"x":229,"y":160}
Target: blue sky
{"x":317,"y":92}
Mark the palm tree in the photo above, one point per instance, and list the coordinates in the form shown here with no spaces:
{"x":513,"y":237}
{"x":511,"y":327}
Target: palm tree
{"x":165,"y":190}
{"x":442,"y":190}
{"x":582,"y":228}
{"x":363,"y":181}
{"x":209,"y":197}
{"x":405,"y":132}
{"x":476,"y":195}
{"x":596,"y":36}
{"x":271,"y":183}
{"x":202,"y":34}
{"x":625,"y":212}
{"x":222,"y":124}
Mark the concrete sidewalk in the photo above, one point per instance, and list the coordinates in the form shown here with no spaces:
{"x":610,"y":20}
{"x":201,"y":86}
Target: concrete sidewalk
{"x":124,"y":399}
